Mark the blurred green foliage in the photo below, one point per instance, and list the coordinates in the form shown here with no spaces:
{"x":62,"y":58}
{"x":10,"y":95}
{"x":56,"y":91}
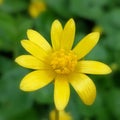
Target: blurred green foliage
{"x":14,"y":22}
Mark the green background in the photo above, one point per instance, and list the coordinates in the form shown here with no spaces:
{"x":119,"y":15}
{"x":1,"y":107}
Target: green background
{"x":14,"y":22}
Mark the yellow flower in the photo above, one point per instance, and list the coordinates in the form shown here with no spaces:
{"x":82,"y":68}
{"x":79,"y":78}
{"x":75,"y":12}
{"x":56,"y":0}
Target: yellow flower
{"x":62,"y":115}
{"x":36,"y":7}
{"x":97,"y":29}
{"x":1,"y":1}
{"x":114,"y":66}
{"x":61,"y":64}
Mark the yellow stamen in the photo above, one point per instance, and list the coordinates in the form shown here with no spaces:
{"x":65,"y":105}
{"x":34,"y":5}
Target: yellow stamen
{"x":63,"y":62}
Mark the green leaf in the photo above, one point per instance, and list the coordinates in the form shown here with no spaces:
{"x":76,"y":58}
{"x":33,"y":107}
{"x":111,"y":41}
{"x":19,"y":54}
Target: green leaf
{"x":5,"y":64}
{"x":61,"y":7}
{"x":90,"y":9}
{"x":44,"y":95}
{"x":115,"y":17}
{"x":113,"y":102}
{"x":113,"y":41}
{"x":13,"y":6}
{"x":13,"y":101}
{"x":7,"y":31}
{"x":27,"y":115}
{"x":98,"y":53}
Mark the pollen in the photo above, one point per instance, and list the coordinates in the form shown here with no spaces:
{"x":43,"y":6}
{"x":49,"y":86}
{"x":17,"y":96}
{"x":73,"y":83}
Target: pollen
{"x":63,"y":62}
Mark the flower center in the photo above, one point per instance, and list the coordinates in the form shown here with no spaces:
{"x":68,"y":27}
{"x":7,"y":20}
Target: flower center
{"x":63,"y":62}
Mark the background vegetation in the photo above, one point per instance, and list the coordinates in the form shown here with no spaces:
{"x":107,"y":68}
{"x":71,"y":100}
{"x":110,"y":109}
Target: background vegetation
{"x":14,"y":22}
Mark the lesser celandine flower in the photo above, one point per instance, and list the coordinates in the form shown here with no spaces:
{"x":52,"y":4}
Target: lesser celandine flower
{"x":97,"y":29}
{"x":62,"y":115}
{"x":36,"y":7}
{"x":114,"y":66}
{"x":1,"y":1}
{"x":61,"y":64}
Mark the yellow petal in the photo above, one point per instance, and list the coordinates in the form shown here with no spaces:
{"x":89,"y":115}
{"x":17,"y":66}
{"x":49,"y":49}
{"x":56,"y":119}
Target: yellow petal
{"x":68,"y":34}
{"x":61,"y":92}
{"x":36,"y":80}
{"x":38,"y":39}
{"x":86,"y":44}
{"x":31,"y":62}
{"x":56,"y":31}
{"x":93,"y":67}
{"x":84,"y":87}
{"x":34,"y":49}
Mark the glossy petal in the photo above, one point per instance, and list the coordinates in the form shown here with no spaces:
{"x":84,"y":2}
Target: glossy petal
{"x":31,"y":62}
{"x":93,"y":67}
{"x":56,"y":31}
{"x":36,"y":80}
{"x":34,"y":49}
{"x":38,"y":39}
{"x":86,"y":44}
{"x":68,"y":34}
{"x":61,"y":92}
{"x":84,"y":87}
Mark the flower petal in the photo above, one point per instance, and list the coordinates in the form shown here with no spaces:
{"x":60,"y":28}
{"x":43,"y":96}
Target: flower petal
{"x":84,"y":87}
{"x":34,"y":49}
{"x":68,"y":34}
{"x":31,"y":62}
{"x":86,"y":44}
{"x":38,"y":39}
{"x":93,"y":67}
{"x":56,"y":31}
{"x":61,"y":92}
{"x":36,"y":80}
